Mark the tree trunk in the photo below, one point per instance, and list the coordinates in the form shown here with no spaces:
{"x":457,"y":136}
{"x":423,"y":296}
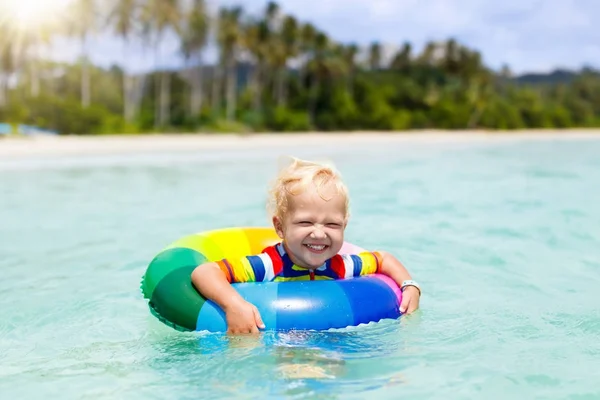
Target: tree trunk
{"x":281,"y":75}
{"x":35,"y":78}
{"x":216,"y":91}
{"x":157,"y":83}
{"x":257,"y":87}
{"x":85,"y":84}
{"x":3,"y":91}
{"x":137,"y":92}
{"x":196,"y":99}
{"x":312,"y":101}
{"x":127,"y":109}
{"x":165,"y":99}
{"x":231,"y":87}
{"x":350,"y":83}
{"x":126,"y":98}
{"x":85,"y":75}
{"x":274,"y":84}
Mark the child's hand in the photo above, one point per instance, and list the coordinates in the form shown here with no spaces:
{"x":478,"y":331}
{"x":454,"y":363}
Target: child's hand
{"x":410,"y":300}
{"x":243,"y":317}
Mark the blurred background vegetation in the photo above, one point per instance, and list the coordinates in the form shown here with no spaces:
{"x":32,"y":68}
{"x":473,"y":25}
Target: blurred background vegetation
{"x":274,"y":73}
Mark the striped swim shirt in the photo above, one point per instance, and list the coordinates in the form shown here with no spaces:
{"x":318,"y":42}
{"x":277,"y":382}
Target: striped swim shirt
{"x":274,"y":264}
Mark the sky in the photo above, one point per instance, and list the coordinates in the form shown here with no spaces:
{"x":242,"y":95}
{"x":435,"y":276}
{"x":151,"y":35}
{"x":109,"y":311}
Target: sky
{"x":527,"y":35}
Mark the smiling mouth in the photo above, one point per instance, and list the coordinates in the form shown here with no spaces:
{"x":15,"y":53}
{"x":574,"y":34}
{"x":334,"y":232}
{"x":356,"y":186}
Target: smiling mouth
{"x":316,"y":248}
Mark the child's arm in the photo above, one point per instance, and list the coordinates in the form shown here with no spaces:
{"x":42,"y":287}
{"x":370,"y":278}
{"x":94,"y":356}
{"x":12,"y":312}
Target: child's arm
{"x":393,"y":268}
{"x":241,"y":316}
{"x":385,"y":263}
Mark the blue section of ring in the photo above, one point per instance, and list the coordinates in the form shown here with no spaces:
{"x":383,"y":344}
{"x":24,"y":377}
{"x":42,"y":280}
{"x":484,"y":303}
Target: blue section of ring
{"x":315,"y":305}
{"x":370,"y":298}
{"x":262,"y":295}
{"x":306,"y":305}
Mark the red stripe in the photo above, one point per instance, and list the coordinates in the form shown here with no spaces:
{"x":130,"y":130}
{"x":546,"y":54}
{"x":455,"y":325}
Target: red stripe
{"x":338,"y":266}
{"x":275,"y":258}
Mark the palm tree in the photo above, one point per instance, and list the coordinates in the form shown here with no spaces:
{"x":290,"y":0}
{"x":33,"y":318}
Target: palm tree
{"x":83,"y":23}
{"x":275,"y":52}
{"x":308,"y":32}
{"x":34,"y":40}
{"x":375,"y":56}
{"x":402,"y":59}
{"x":194,"y":40}
{"x":123,"y":18}
{"x":349,"y":54}
{"x":215,"y":75}
{"x":289,"y":49}
{"x":479,"y":92}
{"x":229,"y":38}
{"x":450,"y":61}
{"x":158,"y":16}
{"x":320,"y":47}
{"x":7,"y":61}
{"x":14,"y":46}
{"x":272,"y":12}
{"x":428,"y":56}
{"x":255,"y":40}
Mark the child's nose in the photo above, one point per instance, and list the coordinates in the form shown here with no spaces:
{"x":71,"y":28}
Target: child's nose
{"x":318,"y":233}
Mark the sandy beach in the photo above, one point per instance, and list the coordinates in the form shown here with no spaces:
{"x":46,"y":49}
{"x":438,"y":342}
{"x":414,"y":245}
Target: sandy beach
{"x":50,"y":146}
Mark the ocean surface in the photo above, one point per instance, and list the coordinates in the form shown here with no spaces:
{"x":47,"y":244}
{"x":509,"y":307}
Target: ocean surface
{"x":503,"y":235}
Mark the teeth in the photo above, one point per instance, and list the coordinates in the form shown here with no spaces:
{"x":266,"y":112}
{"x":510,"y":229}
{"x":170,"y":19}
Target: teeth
{"x":315,"y":247}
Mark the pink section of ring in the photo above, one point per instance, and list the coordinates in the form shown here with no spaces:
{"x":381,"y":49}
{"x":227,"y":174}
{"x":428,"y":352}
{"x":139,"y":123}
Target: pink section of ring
{"x":349,"y":248}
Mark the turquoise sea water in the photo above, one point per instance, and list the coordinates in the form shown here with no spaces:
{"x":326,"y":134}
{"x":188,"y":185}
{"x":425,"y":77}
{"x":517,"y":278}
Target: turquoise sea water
{"x":504,"y":237}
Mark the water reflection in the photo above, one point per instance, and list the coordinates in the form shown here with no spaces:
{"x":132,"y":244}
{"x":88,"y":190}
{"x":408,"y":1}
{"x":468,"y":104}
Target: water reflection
{"x":293,"y":363}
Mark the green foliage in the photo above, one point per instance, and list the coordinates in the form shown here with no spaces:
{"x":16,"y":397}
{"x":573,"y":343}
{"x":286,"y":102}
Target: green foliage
{"x":224,"y":126}
{"x":285,"y":120}
{"x":446,"y":86}
{"x":391,"y":101}
{"x":63,"y":115}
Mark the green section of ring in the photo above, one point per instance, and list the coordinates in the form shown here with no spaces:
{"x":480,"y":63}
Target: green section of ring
{"x":167,"y":281}
{"x":166,"y":262}
{"x":175,"y":301}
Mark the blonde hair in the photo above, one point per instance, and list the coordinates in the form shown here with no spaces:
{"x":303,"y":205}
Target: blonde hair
{"x":297,"y":176}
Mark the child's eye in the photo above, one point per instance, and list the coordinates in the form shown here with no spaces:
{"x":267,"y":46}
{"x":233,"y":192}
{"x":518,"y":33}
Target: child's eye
{"x":305,"y":223}
{"x":334,"y":225}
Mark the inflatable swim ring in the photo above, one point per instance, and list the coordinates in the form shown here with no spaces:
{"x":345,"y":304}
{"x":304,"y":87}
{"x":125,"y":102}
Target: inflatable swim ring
{"x":305,"y":305}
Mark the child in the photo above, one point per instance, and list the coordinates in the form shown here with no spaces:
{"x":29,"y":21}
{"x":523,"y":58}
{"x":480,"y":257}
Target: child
{"x":310,"y":207}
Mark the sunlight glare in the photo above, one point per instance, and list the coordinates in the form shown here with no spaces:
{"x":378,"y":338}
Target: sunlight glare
{"x":32,"y":13}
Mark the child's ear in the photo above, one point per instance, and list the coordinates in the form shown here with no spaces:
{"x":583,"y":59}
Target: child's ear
{"x":278,"y":225}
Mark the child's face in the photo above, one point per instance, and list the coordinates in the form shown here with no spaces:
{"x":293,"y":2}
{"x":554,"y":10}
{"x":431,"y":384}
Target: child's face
{"x":313,"y":229}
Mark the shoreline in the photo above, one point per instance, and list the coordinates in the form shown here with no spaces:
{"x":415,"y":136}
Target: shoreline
{"x":24,"y":146}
